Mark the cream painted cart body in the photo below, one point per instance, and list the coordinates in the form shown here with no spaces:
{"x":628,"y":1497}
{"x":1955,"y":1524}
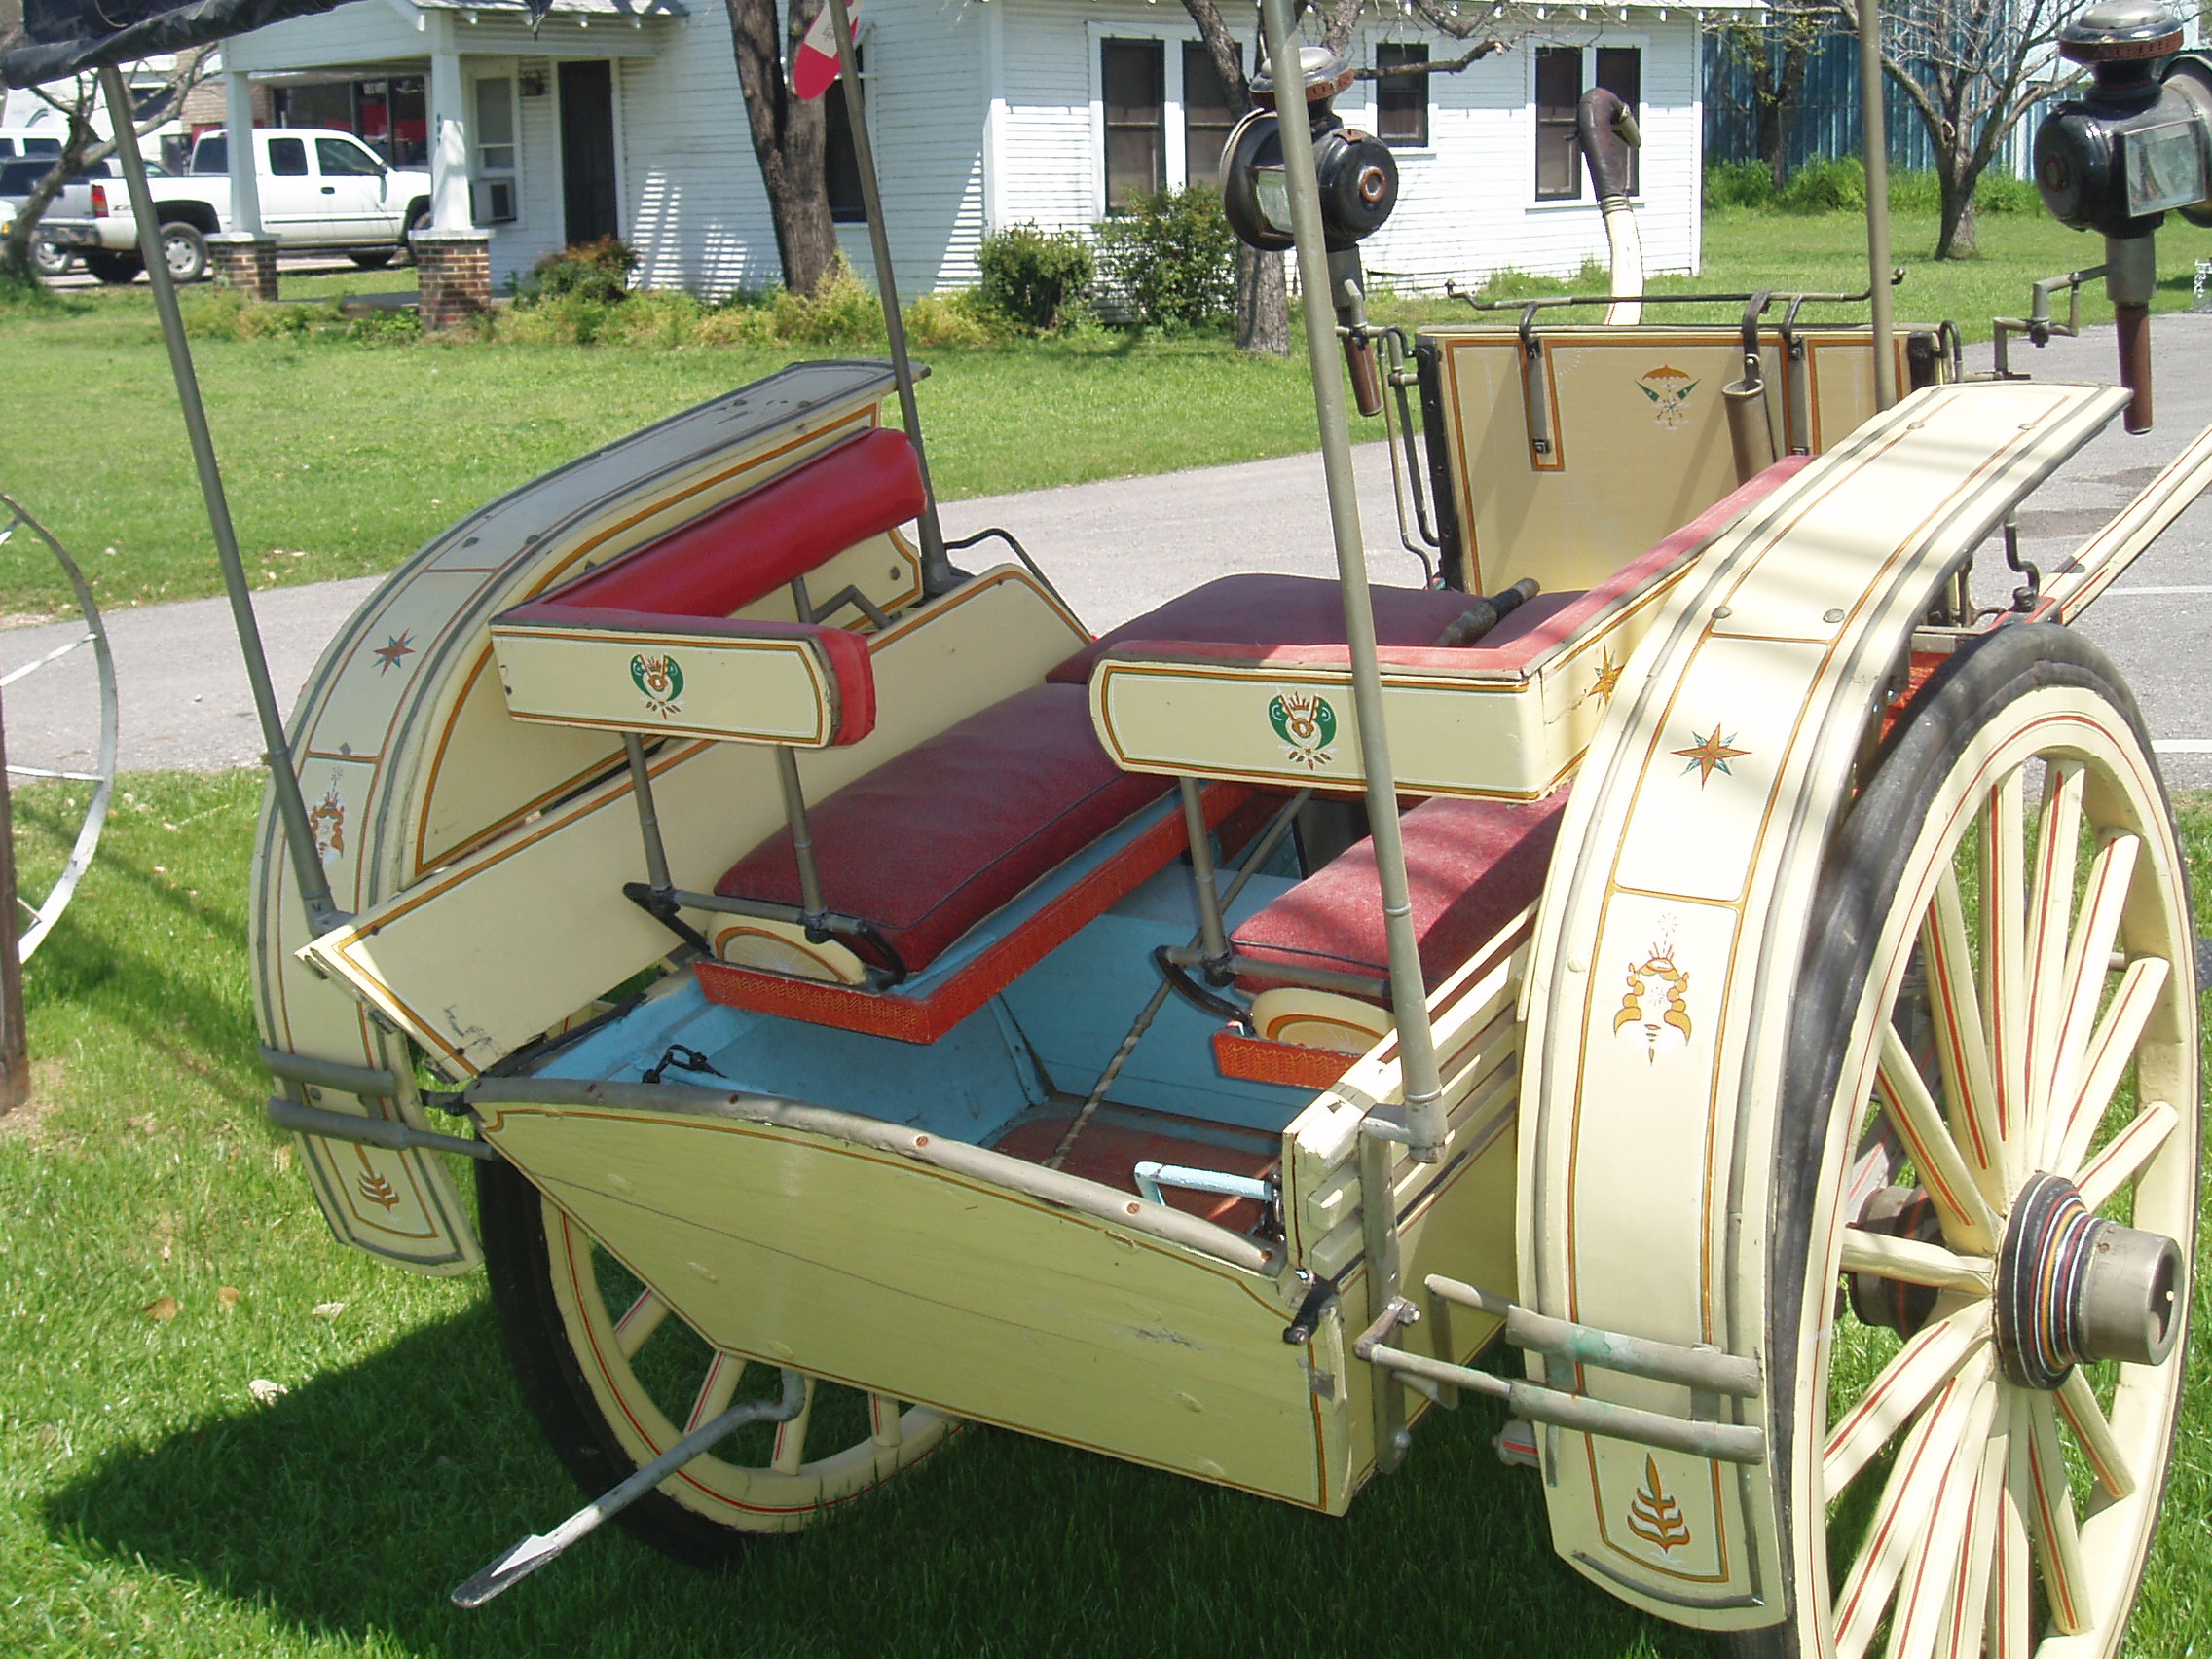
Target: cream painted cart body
{"x":789,"y":1152}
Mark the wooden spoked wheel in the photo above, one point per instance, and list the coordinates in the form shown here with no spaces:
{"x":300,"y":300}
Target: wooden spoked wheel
{"x":1987,"y":1184}
{"x":616,"y":1378}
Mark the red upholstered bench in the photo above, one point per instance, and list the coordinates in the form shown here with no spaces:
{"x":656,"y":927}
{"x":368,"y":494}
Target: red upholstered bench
{"x":937,"y":839}
{"x":1471,"y":866}
{"x":646,"y":643}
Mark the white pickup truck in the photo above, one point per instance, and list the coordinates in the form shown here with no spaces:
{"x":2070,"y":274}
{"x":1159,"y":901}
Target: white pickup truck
{"x":319,"y":189}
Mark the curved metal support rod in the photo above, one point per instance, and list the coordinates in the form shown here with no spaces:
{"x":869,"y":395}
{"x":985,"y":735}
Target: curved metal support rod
{"x":1423,"y":1090}
{"x":284,"y":781}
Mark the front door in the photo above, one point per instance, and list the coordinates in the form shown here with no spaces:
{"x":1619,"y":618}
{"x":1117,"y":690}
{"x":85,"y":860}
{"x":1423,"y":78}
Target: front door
{"x":587,"y":153}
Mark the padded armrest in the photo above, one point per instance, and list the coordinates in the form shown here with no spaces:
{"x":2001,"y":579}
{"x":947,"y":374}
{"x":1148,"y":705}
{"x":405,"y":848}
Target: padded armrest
{"x":800,"y":683}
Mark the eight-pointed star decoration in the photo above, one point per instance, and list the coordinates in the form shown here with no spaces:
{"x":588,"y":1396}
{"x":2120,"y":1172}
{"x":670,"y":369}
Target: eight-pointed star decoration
{"x":1710,"y":753}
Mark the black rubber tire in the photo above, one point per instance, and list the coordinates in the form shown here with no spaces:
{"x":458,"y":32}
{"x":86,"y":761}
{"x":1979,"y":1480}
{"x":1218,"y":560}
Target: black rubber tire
{"x":1863,"y":871}
{"x":510,"y":1217}
{"x":113,"y":269}
{"x":373,"y":258}
{"x":419,"y":220}
{"x":50,"y":260}
{"x":186,"y":251}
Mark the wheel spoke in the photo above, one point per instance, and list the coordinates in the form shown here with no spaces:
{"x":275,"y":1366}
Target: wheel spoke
{"x":2082,"y":1105}
{"x":639,"y":1322}
{"x":1967,"y":1612}
{"x":1931,"y":1583}
{"x":716,"y":1390}
{"x":2039,"y":1464}
{"x":2100,"y":1448}
{"x":2011,"y":1635}
{"x":2003,"y":955}
{"x":2088,"y":968}
{"x":1961,"y":1045}
{"x":2127,"y":1153}
{"x":887,"y":1423}
{"x":1913,"y":1262}
{"x":1901,"y":1518}
{"x":1929,"y":1359}
{"x":2050,"y":909}
{"x":1958,"y":1203}
{"x":791,"y":1438}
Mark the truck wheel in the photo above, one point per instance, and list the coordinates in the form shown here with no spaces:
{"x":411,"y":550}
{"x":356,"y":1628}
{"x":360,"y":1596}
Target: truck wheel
{"x":185,"y":250}
{"x":1995,"y":1040}
{"x":372,"y":258}
{"x":117,"y":268}
{"x":49,"y":259}
{"x":419,"y":220}
{"x":616,"y":1376}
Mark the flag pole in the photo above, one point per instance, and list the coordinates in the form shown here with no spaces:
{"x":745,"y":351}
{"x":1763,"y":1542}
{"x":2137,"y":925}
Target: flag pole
{"x":938,"y":574}
{"x":284,"y":782}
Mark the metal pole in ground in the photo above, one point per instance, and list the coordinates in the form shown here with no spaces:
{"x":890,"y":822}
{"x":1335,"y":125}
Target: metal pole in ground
{"x":1409,"y":996}
{"x":291,"y":809}
{"x":15,"y":1046}
{"x":938,"y":574}
{"x":1874,"y":143}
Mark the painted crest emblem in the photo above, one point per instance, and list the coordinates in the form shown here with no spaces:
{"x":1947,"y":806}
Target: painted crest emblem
{"x":327,"y":820}
{"x":1670,"y":390}
{"x":1653,"y":1515}
{"x":1307,"y":724}
{"x":1654,"y":1006}
{"x":659,"y":682}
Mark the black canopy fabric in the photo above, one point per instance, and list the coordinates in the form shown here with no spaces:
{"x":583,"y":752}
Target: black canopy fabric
{"x":69,"y":36}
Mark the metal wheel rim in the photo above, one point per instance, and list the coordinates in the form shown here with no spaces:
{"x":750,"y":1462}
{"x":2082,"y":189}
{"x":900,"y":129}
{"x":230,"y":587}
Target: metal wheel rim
{"x":183,"y":258}
{"x":1973,"y":1542}
{"x":48,"y":912}
{"x":796,"y":1489}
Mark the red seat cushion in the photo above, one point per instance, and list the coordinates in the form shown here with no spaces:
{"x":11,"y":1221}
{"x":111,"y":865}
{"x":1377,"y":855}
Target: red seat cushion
{"x":933,"y":840}
{"x":1274,"y":610}
{"x":748,"y":549}
{"x":1471,"y":866}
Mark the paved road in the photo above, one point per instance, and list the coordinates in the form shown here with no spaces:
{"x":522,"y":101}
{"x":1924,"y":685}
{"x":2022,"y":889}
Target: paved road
{"x":1120,"y":547}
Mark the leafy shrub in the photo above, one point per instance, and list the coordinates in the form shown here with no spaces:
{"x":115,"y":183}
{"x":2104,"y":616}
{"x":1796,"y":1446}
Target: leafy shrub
{"x":1830,"y":185}
{"x":225,"y":313}
{"x":1739,"y":184}
{"x":2001,"y":193}
{"x":1035,"y":276}
{"x":737,"y":323}
{"x":960,"y":318}
{"x":840,"y":311}
{"x":594,"y":271}
{"x":1175,"y":256}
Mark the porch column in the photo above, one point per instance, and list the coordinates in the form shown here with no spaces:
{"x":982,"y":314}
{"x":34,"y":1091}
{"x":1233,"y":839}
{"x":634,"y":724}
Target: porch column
{"x":449,"y":145}
{"x":244,"y":256}
{"x":453,"y":258}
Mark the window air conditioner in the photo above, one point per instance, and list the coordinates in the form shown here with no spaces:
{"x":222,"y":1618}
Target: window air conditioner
{"x":491,"y":201}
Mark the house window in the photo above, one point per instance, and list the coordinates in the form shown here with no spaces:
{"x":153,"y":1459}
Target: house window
{"x":1206,"y":116}
{"x":1620,"y":71}
{"x":841,"y":164}
{"x":1401,"y":102}
{"x":1133,"y":75}
{"x":492,"y":191}
{"x":1559,"y":86}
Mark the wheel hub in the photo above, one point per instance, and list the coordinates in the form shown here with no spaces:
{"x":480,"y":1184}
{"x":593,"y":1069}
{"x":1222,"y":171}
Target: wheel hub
{"x":2073,"y":1288}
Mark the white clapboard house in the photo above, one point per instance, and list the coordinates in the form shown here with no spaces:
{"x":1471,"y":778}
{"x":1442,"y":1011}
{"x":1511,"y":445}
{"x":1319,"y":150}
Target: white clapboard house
{"x":624,"y":118}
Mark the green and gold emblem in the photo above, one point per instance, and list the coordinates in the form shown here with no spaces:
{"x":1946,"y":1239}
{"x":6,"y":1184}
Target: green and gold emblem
{"x":659,"y":681}
{"x":1307,"y":724}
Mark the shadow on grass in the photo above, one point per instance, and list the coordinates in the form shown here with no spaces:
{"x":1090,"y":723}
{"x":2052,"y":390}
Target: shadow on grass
{"x":350,"y":1508}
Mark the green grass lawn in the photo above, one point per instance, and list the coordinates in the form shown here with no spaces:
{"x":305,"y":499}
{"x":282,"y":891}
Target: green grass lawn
{"x":150,"y":1505}
{"x":341,"y":458}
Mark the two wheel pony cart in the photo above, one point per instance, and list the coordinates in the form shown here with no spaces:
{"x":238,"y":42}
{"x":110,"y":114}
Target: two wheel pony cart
{"x":1728,"y":962}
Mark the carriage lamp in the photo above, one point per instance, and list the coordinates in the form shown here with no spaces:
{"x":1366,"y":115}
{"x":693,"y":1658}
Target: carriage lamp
{"x":1359,"y":187}
{"x":2138,"y":146}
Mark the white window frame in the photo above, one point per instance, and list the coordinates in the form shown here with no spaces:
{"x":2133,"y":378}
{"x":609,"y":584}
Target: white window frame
{"x":1177,"y":160}
{"x":513,"y":173}
{"x":1585,"y":202}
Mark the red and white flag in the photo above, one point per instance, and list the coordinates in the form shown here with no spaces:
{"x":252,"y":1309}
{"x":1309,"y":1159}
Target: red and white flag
{"x":814,"y":71}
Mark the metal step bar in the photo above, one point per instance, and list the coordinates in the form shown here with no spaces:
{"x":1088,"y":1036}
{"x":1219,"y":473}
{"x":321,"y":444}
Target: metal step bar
{"x":1707,"y":1372}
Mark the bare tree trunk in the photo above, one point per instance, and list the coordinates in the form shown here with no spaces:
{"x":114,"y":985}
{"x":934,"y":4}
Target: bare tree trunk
{"x":789,"y":138}
{"x":1955,"y":237}
{"x":1263,"y":303}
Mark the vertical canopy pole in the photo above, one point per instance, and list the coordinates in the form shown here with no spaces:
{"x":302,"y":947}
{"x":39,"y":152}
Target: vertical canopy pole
{"x":937,"y":574}
{"x":1408,"y":998}
{"x":1874,"y":146}
{"x":291,"y":809}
